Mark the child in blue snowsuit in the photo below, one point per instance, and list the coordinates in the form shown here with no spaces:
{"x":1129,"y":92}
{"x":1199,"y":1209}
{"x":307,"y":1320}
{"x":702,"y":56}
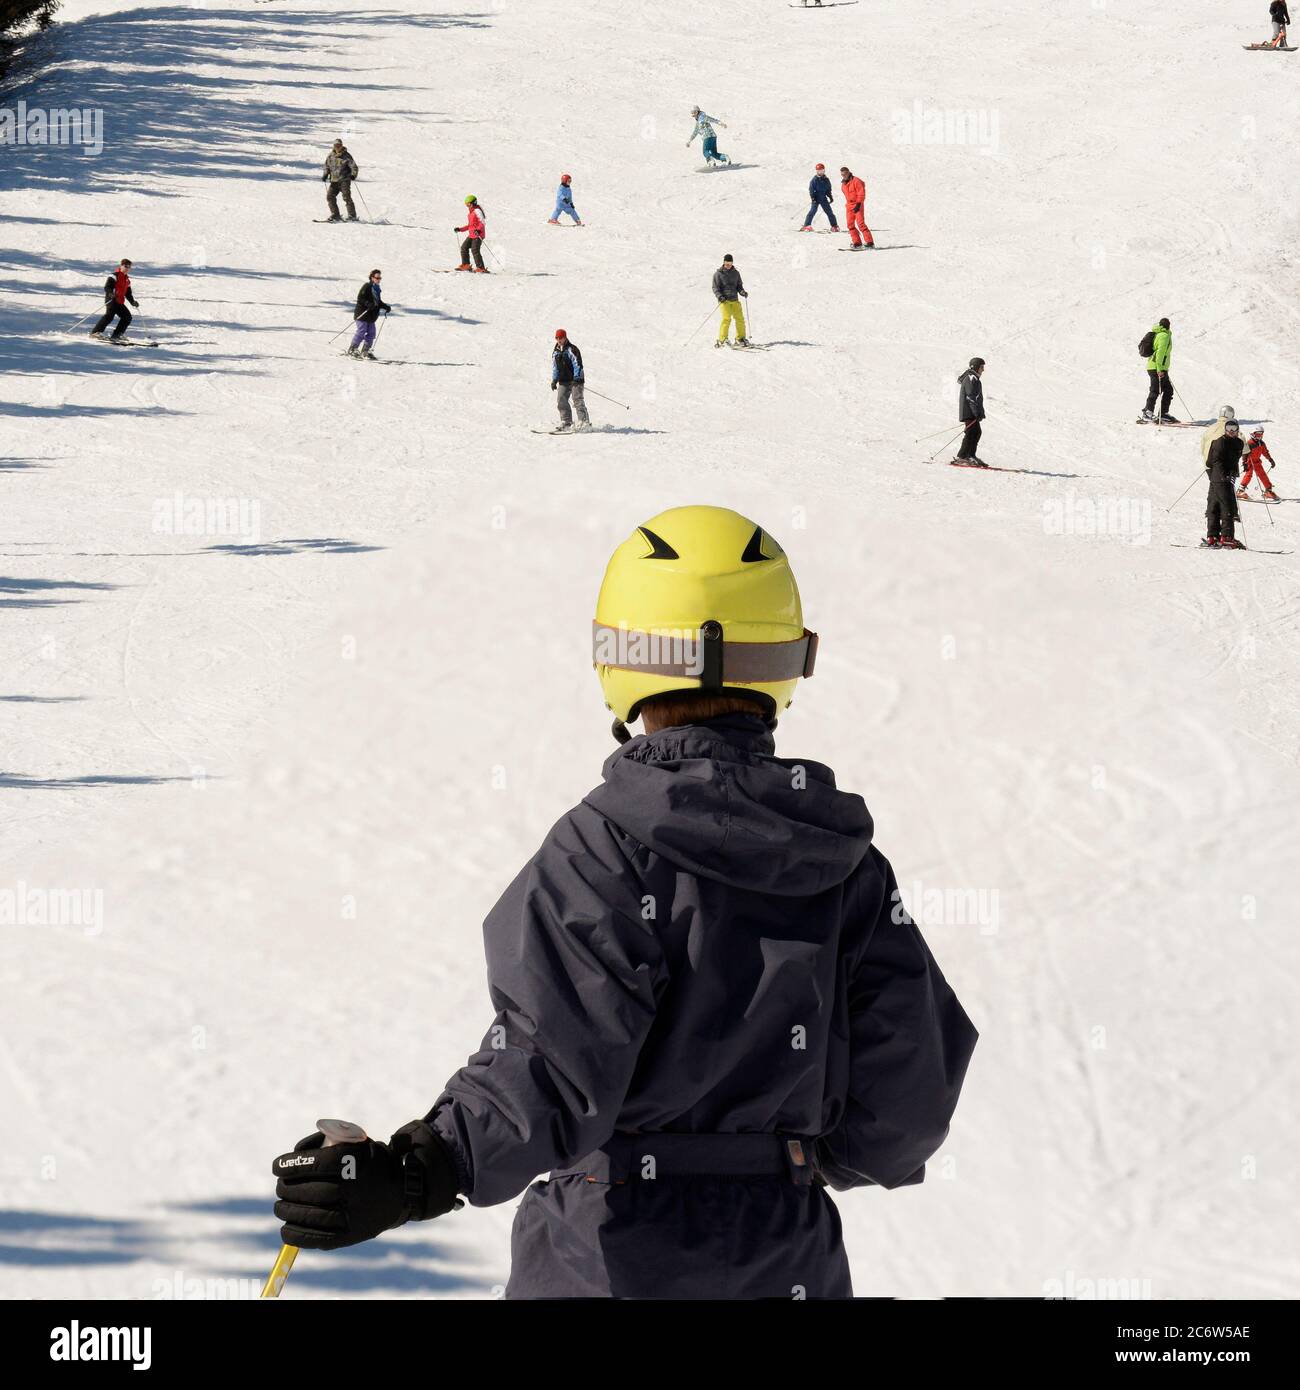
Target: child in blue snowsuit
{"x":564,"y":202}
{"x":704,"y":126}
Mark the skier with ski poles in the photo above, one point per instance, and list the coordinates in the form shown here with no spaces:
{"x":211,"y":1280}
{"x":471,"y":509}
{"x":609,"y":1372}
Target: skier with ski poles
{"x":1221,"y":503}
{"x":704,"y":126}
{"x":117,"y":295}
{"x":970,"y":413}
{"x":649,"y":966}
{"x":370,"y":304}
{"x":729,"y":290}
{"x":1158,"y":346}
{"x":819,"y":190}
{"x":855,"y":200}
{"x":1277,"y":12}
{"x":1256,"y":453}
{"x":476,"y":228}
{"x":340,"y":170}
{"x":568,"y":379}
{"x":564,"y":202}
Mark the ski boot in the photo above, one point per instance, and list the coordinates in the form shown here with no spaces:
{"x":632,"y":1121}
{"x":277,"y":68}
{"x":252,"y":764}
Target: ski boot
{"x":1169,"y":420}
{"x":463,"y":267}
{"x":720,"y":343}
{"x":1149,"y":416}
{"x":553,"y":221}
{"x":742,"y":342}
{"x":805,"y":229}
{"x":334,"y":217}
{"x":1270,"y":495}
{"x":481,"y":270}
{"x":1241,"y":492}
{"x":1230,"y":543}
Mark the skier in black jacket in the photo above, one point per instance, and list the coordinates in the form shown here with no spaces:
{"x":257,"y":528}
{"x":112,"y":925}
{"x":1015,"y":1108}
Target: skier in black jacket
{"x":710,"y":1005}
{"x":370,"y":304}
{"x":1277,"y":12}
{"x":970,"y":411}
{"x":1221,"y":504}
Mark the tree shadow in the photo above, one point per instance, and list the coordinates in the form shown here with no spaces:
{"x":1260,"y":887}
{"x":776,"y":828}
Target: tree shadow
{"x":25,"y":588}
{"x":21,"y":781}
{"x":320,"y":545}
{"x":166,"y":120}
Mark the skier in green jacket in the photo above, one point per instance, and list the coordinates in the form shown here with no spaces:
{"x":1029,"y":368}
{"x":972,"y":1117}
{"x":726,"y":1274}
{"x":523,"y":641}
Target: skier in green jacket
{"x":1158,"y":372}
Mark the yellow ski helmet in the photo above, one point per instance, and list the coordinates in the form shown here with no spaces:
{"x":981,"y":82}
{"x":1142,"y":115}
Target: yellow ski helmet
{"x":700,"y":598}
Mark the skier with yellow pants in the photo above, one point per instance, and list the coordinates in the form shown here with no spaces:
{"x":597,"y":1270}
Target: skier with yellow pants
{"x":729,"y":290}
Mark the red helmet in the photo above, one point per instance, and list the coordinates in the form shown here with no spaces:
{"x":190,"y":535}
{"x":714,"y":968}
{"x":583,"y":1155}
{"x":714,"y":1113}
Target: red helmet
{"x":821,"y":166}
{"x":560,"y":333}
{"x":565,"y":178}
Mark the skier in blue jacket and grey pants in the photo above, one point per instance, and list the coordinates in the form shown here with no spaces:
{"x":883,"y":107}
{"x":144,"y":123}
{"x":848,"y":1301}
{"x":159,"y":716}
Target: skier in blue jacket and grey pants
{"x":819,"y":190}
{"x":564,"y":202}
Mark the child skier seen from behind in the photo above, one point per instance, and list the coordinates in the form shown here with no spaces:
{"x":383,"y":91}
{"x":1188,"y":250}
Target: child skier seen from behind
{"x":711,"y":1005}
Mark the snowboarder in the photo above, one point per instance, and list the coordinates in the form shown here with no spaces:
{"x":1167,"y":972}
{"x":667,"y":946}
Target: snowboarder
{"x":729,"y":290}
{"x":1221,"y":504}
{"x":1277,"y":12}
{"x":564,"y":202}
{"x":1213,"y":431}
{"x":476,"y":227}
{"x":819,"y":190}
{"x":704,"y":126}
{"x":370,"y":304}
{"x":340,"y":170}
{"x":651,"y":964}
{"x":117,"y":295}
{"x":1256,"y":453}
{"x":855,"y":198}
{"x":567,"y":381}
{"x":1161,"y":340}
{"x":970,"y":412}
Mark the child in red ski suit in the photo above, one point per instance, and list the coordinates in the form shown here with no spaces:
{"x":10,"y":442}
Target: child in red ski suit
{"x":1256,"y":451}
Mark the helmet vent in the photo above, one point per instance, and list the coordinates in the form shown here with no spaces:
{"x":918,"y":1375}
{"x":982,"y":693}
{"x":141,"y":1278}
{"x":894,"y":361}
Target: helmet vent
{"x":754,"y":550}
{"x":659,"y":548}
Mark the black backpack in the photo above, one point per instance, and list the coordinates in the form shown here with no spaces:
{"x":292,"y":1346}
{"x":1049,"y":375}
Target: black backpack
{"x":1147,"y":346}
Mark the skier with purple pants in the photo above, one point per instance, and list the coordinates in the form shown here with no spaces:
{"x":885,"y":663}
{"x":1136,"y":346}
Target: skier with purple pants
{"x":370,"y":304}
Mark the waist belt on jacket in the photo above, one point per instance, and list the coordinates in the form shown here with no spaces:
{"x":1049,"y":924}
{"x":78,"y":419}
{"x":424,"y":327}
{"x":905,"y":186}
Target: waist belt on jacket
{"x":635,"y":1157}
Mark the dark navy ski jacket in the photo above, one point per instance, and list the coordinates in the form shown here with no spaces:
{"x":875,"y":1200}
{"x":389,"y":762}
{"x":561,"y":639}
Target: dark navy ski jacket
{"x":707,"y":945}
{"x":819,"y":188}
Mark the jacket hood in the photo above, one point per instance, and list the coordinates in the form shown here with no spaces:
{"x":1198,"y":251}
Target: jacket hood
{"x":715,"y":800}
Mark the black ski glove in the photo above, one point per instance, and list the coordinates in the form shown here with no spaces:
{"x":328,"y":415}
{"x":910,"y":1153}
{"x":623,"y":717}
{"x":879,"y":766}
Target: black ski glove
{"x":388,"y":308}
{"x":347,"y":1193}
{"x":555,"y":386}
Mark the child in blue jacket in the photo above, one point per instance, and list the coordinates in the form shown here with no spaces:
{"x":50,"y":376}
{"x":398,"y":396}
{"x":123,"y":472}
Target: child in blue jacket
{"x":819,"y":190}
{"x":564,"y":202}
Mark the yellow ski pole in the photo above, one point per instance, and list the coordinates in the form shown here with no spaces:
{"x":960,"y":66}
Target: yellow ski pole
{"x":335,"y":1132}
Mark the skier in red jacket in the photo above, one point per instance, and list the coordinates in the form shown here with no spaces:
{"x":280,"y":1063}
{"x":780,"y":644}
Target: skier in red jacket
{"x":117,"y":295}
{"x":1256,"y":451}
{"x":855,"y":198}
{"x":476,"y":227}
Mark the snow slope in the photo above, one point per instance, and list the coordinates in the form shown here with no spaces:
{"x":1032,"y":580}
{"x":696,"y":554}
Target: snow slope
{"x":299,"y":763}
